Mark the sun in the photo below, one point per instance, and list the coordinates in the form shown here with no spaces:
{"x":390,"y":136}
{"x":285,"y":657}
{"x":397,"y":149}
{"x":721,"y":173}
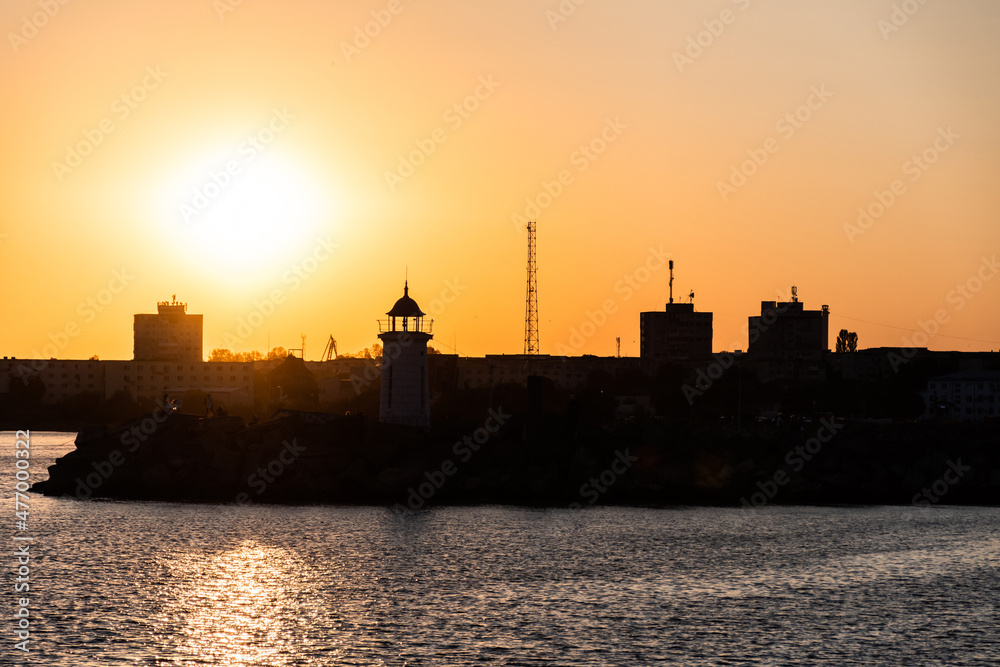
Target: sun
{"x":243,"y":219}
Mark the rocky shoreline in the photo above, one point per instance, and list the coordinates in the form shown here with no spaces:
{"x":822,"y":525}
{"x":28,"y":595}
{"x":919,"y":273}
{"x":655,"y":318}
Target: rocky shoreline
{"x":531,"y":460}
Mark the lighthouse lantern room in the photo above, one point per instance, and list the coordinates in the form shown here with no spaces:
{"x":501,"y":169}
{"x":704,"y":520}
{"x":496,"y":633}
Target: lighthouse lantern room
{"x":405,"y":391}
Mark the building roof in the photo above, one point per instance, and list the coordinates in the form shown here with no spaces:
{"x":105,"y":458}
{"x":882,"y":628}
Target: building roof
{"x":405,"y":306}
{"x":972,"y":376}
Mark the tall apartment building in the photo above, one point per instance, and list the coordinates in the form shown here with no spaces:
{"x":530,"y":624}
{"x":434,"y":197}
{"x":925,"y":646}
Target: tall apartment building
{"x":169,"y":335}
{"x":676,"y":335}
{"x":788,"y":342}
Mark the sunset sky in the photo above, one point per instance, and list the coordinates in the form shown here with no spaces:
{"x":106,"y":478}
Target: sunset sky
{"x":273,"y":157}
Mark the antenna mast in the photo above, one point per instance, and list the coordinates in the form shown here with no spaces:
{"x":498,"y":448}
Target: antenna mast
{"x":531,"y":297}
{"x":671,"y":262}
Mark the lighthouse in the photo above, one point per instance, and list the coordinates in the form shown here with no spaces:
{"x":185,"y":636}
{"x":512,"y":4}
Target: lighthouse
{"x":405,"y":391}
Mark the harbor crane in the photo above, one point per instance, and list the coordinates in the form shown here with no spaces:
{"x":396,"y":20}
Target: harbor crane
{"x":330,"y":351}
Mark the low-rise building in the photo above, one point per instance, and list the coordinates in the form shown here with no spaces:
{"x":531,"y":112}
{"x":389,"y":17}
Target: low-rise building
{"x":968,"y":396}
{"x":565,"y":372}
{"x":62,"y":378}
{"x":229,"y":382}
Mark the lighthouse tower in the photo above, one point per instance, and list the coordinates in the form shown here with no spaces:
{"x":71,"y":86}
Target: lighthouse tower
{"x":405,"y":392}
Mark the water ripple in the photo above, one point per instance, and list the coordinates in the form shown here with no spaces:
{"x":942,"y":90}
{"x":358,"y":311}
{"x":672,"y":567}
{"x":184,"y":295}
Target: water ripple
{"x":170,"y":584}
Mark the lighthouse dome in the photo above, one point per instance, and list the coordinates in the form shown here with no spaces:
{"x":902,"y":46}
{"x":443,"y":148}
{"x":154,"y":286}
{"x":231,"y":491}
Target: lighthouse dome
{"x":405,"y":306}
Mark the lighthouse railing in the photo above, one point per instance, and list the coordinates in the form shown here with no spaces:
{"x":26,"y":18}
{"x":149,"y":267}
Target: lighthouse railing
{"x":412,"y":325}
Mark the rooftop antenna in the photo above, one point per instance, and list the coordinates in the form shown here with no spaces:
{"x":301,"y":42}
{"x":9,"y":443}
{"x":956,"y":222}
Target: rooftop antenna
{"x":671,"y":263}
{"x":795,"y":294}
{"x":691,"y":297}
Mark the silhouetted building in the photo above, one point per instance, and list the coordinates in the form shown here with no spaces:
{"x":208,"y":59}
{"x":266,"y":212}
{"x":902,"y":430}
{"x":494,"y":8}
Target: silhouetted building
{"x":170,"y":335}
{"x":883,"y":364}
{"x":875,"y":364}
{"x":564,"y":372}
{"x":968,"y":396}
{"x":405,"y":390}
{"x":788,"y":342}
{"x":676,"y":335}
{"x":230,"y":382}
{"x":166,"y":360}
{"x":62,"y":378}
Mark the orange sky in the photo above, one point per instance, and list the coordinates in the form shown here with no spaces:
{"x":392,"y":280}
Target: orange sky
{"x":275,"y":158}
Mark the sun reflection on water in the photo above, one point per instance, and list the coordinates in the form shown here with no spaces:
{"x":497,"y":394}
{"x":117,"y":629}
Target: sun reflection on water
{"x":238,"y":607}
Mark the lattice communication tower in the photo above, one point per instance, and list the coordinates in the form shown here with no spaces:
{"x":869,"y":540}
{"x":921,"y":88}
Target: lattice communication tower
{"x":531,"y":297}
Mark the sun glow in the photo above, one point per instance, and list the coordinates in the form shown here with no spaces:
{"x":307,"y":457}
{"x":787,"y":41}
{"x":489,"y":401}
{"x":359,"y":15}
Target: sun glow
{"x":245,"y":219}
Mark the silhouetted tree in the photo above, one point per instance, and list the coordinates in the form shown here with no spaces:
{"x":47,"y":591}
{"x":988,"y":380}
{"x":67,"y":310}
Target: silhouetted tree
{"x":847,"y":341}
{"x":373,"y":352}
{"x":220,"y":354}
